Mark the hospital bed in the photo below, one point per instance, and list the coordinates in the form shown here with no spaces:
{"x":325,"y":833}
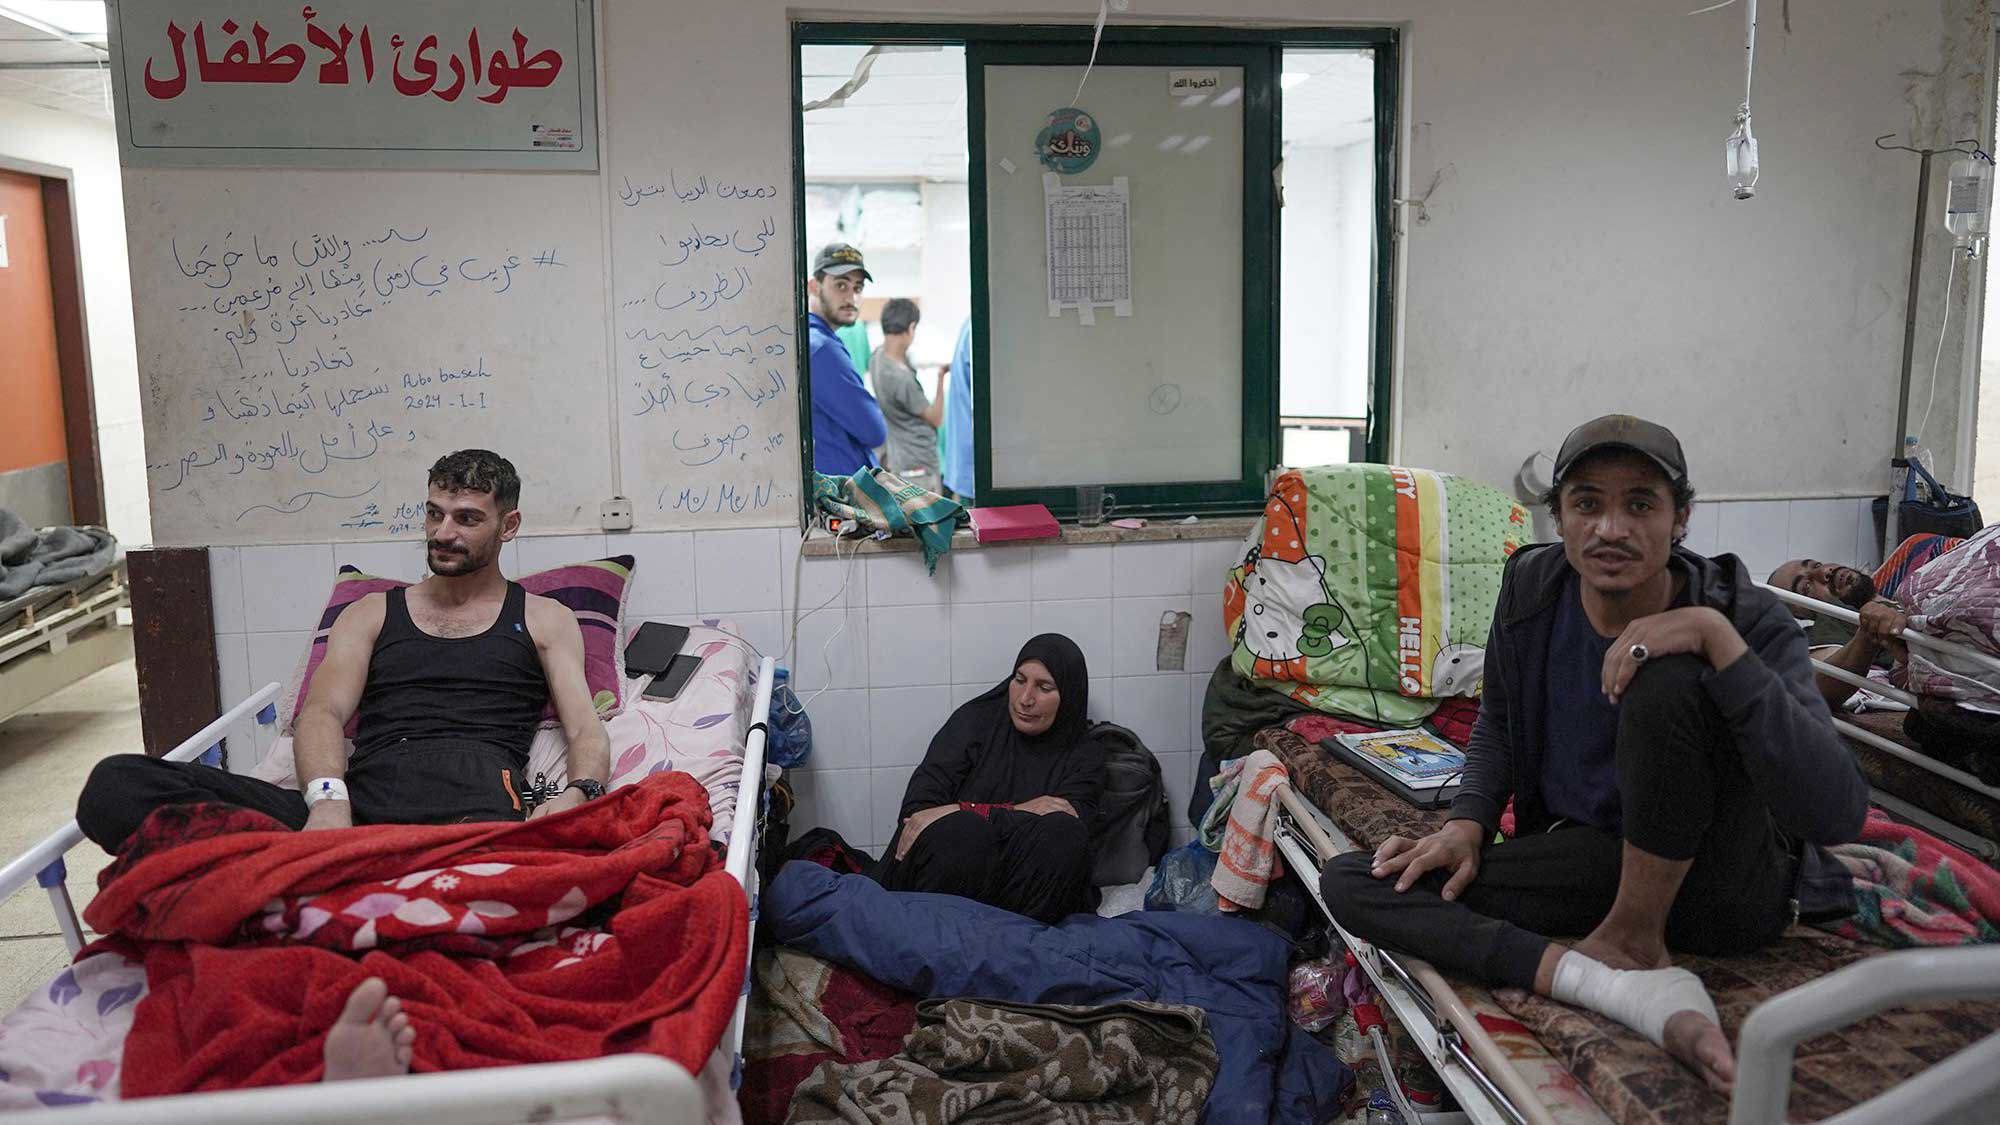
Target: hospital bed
{"x":1913,"y":786}
{"x":1492,"y":1087}
{"x":621,"y":1087}
{"x":53,"y":636}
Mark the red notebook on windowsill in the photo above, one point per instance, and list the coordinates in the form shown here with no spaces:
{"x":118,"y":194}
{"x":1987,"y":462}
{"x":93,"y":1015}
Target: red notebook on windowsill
{"x":1020,"y":521}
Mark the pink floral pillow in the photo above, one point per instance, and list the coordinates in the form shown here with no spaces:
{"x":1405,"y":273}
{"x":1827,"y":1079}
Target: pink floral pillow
{"x":594,"y":591}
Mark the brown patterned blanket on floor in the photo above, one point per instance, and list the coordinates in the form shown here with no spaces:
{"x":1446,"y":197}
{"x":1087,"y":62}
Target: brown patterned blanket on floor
{"x":1634,"y":1081}
{"x":1126,"y":1063}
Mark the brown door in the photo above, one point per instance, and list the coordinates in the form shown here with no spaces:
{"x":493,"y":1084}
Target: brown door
{"x":34,"y":455}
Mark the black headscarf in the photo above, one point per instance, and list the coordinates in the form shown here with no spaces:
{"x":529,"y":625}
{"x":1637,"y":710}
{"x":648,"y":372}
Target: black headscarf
{"x":1066,"y":667}
{"x":981,"y":757}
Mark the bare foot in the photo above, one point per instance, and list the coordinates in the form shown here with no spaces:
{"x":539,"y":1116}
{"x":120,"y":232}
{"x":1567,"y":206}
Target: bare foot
{"x":1620,"y":951}
{"x":372,"y":1038}
{"x":1694,"y":1039}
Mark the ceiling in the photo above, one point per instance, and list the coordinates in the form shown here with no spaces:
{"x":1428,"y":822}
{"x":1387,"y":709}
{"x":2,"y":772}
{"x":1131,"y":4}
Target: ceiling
{"x":908,"y":120}
{"x":51,"y":55}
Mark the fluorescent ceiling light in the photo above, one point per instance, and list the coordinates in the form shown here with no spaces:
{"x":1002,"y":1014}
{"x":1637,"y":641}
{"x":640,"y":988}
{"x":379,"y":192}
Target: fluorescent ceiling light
{"x":83,"y":19}
{"x":1293,"y":78}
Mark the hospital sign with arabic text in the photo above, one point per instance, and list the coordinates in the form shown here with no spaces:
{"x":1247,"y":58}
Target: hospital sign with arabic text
{"x":355,"y":83}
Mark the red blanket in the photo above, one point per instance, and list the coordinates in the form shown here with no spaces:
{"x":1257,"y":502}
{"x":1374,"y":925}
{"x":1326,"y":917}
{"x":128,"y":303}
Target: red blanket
{"x":253,"y":935}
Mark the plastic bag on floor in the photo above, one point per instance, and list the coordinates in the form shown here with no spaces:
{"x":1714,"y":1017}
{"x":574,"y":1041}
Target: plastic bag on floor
{"x":1317,"y":991}
{"x":1181,"y":881}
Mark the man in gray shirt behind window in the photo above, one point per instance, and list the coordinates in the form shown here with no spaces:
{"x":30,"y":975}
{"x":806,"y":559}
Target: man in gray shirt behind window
{"x":913,"y":418}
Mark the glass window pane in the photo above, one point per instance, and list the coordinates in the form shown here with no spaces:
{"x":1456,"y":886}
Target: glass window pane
{"x":1328,"y":232}
{"x":1155,"y":396}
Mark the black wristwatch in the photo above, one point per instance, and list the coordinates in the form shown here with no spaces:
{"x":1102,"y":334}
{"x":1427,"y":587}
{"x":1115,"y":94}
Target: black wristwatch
{"x":592,"y":790}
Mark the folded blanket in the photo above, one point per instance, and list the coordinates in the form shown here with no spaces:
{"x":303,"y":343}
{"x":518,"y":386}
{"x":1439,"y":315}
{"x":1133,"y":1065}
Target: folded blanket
{"x":1913,"y":889}
{"x":1249,"y":856}
{"x":879,"y":501}
{"x":977,"y":1060}
{"x":1369,"y":590}
{"x":250,"y":935}
{"x":51,"y":557}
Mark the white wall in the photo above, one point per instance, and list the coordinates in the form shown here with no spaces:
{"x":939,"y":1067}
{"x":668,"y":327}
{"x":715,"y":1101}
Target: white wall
{"x":947,"y":289}
{"x":88,"y":148}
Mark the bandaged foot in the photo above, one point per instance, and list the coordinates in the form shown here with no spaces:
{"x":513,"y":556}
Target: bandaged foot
{"x":372,"y":1038}
{"x":1668,"y":1006}
{"x":1641,"y":999}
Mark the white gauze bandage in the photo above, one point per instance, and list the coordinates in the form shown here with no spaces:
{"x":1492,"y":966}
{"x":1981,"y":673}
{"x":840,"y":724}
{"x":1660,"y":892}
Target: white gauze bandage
{"x":1641,"y":999}
{"x":324,"y":789}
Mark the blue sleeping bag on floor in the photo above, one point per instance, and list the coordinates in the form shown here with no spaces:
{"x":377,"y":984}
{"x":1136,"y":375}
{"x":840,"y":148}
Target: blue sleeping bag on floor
{"x":945,"y":946}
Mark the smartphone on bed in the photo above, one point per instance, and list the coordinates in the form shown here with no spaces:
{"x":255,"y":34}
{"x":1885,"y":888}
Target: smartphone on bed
{"x":667,"y":685}
{"x":653,"y":647}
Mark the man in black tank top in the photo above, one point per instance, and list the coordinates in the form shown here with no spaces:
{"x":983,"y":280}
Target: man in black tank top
{"x":448,"y":679}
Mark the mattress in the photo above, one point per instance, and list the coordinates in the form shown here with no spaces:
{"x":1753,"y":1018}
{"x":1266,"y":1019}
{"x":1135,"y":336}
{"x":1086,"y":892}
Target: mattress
{"x":1635,"y":1082}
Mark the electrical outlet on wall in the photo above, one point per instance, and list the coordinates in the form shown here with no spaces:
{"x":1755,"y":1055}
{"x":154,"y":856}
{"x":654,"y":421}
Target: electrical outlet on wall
{"x":616,"y":514}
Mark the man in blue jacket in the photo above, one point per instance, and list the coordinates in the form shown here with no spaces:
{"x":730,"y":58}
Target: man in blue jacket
{"x":847,"y":423}
{"x":1673,"y":769}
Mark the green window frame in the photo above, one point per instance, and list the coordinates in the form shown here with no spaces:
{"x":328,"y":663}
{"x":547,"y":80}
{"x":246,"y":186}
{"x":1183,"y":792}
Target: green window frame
{"x":1260,"y":53}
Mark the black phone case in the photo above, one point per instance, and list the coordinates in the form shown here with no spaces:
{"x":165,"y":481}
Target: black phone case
{"x":668,"y":684}
{"x":654,"y":646}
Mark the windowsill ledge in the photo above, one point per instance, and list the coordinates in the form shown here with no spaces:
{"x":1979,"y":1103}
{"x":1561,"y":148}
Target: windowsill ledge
{"x":821,"y":545}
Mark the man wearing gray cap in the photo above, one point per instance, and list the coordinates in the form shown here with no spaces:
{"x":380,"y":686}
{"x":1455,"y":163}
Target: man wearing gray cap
{"x":847,"y":424}
{"x":1674,"y":772}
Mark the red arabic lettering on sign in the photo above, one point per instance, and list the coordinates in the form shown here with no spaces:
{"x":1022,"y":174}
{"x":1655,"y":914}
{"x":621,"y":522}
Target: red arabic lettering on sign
{"x":287,"y":61}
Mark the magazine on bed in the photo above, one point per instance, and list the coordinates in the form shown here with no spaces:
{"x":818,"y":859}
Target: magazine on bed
{"x":1417,"y":764}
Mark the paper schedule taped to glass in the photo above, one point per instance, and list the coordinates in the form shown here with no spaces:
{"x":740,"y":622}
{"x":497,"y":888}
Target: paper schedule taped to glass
{"x":1090,"y":247}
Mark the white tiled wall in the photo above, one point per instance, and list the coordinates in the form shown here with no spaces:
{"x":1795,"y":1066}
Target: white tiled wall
{"x":934,"y":642}
{"x":900,"y":648}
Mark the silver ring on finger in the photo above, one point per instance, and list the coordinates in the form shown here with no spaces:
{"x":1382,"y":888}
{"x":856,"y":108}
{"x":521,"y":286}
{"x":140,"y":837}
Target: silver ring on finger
{"x":1640,"y":653}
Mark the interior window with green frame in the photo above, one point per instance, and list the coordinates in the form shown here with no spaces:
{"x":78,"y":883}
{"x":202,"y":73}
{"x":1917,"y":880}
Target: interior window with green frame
{"x":1190,"y":291}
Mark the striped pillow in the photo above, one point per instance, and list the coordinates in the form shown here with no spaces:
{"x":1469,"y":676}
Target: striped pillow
{"x":594,"y":591}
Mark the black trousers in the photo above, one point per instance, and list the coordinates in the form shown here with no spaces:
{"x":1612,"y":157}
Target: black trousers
{"x":437,"y":783}
{"x":1038,"y":866}
{"x":1685,"y":795}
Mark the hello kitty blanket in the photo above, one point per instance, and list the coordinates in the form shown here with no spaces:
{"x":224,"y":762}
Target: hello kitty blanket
{"x":1368,"y":590}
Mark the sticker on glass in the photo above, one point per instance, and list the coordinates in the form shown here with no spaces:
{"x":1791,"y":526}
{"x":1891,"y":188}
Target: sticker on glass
{"x":1069,"y":142}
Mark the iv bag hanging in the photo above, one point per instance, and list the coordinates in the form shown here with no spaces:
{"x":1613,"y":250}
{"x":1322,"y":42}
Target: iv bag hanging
{"x":1969,"y":198}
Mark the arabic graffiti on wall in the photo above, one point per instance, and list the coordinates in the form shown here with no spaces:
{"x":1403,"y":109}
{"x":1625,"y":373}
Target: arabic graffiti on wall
{"x":705,"y":349}
{"x":506,"y":83}
{"x":301,"y":391}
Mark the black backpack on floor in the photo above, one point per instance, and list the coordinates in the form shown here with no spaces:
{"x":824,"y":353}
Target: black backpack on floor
{"x":1129,"y":833}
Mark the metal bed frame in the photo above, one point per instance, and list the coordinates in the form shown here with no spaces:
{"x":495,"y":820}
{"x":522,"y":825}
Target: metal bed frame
{"x":1490,"y":1092}
{"x":630,"y":1087}
{"x":1984,"y":848}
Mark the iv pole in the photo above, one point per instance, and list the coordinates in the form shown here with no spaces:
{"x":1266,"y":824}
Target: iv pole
{"x":1890,"y":532}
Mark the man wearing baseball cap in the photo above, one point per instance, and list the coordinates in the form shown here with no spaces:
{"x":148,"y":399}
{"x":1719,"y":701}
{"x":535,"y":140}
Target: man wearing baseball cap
{"x":847,"y":422}
{"x":1674,"y":772}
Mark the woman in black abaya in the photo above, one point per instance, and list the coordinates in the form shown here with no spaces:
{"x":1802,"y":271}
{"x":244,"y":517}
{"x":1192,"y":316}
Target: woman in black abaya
{"x":1000,"y":809}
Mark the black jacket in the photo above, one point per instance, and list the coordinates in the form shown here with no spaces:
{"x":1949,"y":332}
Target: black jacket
{"x":1795,"y":759}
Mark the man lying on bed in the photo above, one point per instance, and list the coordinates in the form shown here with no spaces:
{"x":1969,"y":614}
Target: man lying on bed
{"x":1878,"y":640}
{"x":1652,"y":715}
{"x":449,"y":677}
